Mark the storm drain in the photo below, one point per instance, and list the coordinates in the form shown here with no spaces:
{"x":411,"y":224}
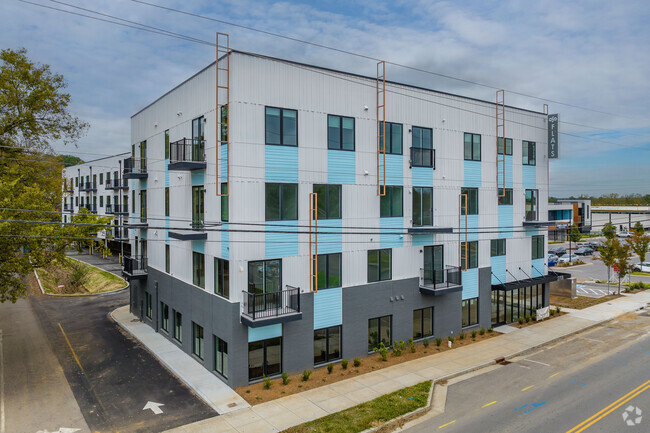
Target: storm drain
{"x":502,"y":361}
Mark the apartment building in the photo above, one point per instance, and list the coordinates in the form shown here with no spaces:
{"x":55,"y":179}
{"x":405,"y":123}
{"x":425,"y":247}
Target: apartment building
{"x":99,"y":187}
{"x":414,"y":242}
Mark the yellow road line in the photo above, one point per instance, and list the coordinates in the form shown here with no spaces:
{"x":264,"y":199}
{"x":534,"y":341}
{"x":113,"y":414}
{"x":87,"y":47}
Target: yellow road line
{"x":610,"y":408}
{"x":71,"y":349}
{"x":553,"y":375}
{"x":528,"y":387}
{"x":489,"y":404}
{"x":445,"y":425}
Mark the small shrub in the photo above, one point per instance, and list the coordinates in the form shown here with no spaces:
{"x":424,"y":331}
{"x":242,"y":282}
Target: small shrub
{"x":397,"y":351}
{"x":402,"y":345}
{"x":482,"y":331}
{"x":438,"y":341}
{"x":330,"y":367}
{"x":520,"y":320}
{"x":552,"y":312}
{"x":344,"y":364}
{"x":412,"y":346}
{"x":267,"y":382}
{"x":383,"y":351}
{"x":490,"y":329}
{"x":356,"y":362}
{"x":425,"y":343}
{"x":461,"y":335}
{"x":248,"y":391}
{"x":474,"y":333}
{"x":557,"y":310}
{"x":450,"y":338}
{"x":527,"y":317}
{"x":305,"y":375}
{"x":285,"y":379}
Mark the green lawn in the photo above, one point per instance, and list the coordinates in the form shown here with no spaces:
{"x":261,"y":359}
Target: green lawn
{"x":641,"y":274}
{"x":75,"y":277}
{"x":371,"y":413}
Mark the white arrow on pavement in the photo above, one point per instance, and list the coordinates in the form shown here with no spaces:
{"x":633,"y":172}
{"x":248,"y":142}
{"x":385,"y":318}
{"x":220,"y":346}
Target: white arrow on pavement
{"x":155,"y":407}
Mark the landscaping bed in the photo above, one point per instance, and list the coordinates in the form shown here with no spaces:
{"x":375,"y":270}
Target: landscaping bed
{"x":529,"y":319}
{"x":581,"y":301}
{"x":72,"y":277}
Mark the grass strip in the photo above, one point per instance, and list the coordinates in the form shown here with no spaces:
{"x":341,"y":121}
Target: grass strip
{"x":371,"y":413}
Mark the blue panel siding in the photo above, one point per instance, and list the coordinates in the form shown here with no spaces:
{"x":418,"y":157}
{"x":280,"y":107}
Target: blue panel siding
{"x":330,"y":243}
{"x":225,"y":242}
{"x":508,"y":164}
{"x":470,"y":283}
{"x":327,"y":308}
{"x":394,"y":170}
{"x":538,"y":268}
{"x":531,"y":231}
{"x":281,"y":244}
{"x":264,"y":332}
{"x":472,"y":225}
{"x":498,"y":265}
{"x":529,"y":177}
{"x":395,"y":224}
{"x":281,"y":164}
{"x":419,"y":240}
{"x":198,"y":247}
{"x":223,"y":166}
{"x":167,"y":172}
{"x":143,"y":234}
{"x":505,"y":221}
{"x":472,"y":172}
{"x":341,"y":167}
{"x":422,"y":176}
{"x":198,"y":177}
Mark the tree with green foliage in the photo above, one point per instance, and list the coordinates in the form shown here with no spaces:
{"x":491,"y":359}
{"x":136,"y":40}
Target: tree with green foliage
{"x":609,"y":230}
{"x":69,"y":160}
{"x":574,"y":235}
{"x":608,"y":251}
{"x":621,"y":264}
{"x":639,"y":241}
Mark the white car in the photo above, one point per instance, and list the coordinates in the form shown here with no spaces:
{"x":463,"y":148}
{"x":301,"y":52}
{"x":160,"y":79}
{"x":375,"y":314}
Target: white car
{"x":567,"y":258}
{"x":623,"y":234}
{"x":641,"y":267}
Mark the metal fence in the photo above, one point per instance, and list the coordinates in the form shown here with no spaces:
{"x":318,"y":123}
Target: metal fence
{"x":440,"y":278}
{"x":272,"y":304}
{"x":187,"y":150}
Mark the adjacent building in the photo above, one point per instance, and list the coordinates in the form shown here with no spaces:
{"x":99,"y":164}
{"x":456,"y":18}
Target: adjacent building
{"x":418,"y":242}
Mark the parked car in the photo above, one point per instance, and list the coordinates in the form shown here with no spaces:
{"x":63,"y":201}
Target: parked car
{"x":558,"y":251}
{"x":552,"y":260}
{"x":623,"y":234}
{"x":584,"y":251}
{"x":641,"y":267}
{"x":567,"y":258}
{"x":594,"y":245}
{"x":582,"y":244}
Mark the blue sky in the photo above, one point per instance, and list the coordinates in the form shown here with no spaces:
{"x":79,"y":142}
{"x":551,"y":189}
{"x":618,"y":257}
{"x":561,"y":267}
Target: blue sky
{"x":588,"y":53}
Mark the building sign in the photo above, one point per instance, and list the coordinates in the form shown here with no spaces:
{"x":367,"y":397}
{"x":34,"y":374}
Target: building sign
{"x":543,"y":313}
{"x":552,"y":136}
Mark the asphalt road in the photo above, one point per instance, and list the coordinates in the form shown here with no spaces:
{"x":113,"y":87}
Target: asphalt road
{"x":582,"y":384}
{"x":111,"y":376}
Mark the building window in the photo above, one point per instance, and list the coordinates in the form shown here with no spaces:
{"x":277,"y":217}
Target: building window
{"x":329,"y":270}
{"x":133,"y":201}
{"x":101,"y":201}
{"x":531,"y":205}
{"x":471,"y":249}
{"x":265,"y":276}
{"x":497,"y":247}
{"x":422,"y":206}
{"x":198,"y":269}
{"x":422,"y":323}
{"x":472,"y":147}
{"x":393,"y":138}
{"x":164,"y":319}
{"x":143,"y":205}
{"x":222,"y":277}
{"x":508,"y":149}
{"x":538,"y":247}
{"x":327,"y":344}
{"x":390,"y":204}
{"x":197,"y":340}
{"x":167,"y":144}
{"x":198,"y":206}
{"x":471,"y":206}
{"x":101,"y":178}
{"x":148,"y":305}
{"x":76,"y":201}
{"x":108,"y":200}
{"x":380,"y":265}
{"x":507,"y":198}
{"x":329,"y":201}
{"x":281,"y":201}
{"x":167,"y":259}
{"x":76,"y":181}
{"x":108,"y":178}
{"x":166,"y":201}
{"x":470,"y":312}
{"x":528,"y":152}
{"x":143,"y":156}
{"x":264,"y":358}
{"x":178,"y":326}
{"x":224,"y":124}
{"x":340,"y":132}
{"x":224,"y":202}
{"x":379,"y":331}
{"x":281,"y":126}
{"x":198,"y":139}
{"x":422,"y":150}
{"x":221,"y":357}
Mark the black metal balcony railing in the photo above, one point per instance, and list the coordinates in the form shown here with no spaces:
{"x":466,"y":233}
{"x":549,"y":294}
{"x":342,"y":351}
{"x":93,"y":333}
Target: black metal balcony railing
{"x":67,"y":208}
{"x":135,"y":168}
{"x":88,"y":186}
{"x":120,"y":233}
{"x":109,"y":209}
{"x":121,"y":209}
{"x":274,"y":304}
{"x":440,"y":278}
{"x":135,"y":267}
{"x":92,"y":208}
{"x":117,"y":184}
{"x":187,"y":153}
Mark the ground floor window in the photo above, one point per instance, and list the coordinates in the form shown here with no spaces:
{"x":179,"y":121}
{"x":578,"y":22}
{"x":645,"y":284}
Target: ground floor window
{"x":327,"y":344}
{"x":164,"y":312}
{"x":197,"y":340}
{"x":470,"y":312}
{"x":509,"y":306}
{"x":423,"y":323}
{"x":178,"y":326}
{"x":264,"y":358}
{"x":149,"y":308}
{"x":379,"y":331}
{"x":221,"y":356}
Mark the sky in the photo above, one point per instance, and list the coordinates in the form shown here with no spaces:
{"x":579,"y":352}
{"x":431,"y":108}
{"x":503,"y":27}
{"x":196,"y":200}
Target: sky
{"x":591,"y":54}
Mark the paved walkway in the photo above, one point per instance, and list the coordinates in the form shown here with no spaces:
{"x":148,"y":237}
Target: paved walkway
{"x":109,"y":264}
{"x":285,"y":412}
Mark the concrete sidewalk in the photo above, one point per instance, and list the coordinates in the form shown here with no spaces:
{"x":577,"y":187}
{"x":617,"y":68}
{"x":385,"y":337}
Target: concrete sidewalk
{"x":285,"y":412}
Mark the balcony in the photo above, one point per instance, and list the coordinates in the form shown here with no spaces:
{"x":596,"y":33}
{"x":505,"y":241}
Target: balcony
{"x":262,"y":309}
{"x":439,"y":282}
{"x":120,"y":234}
{"x":88,"y":186}
{"x":121,"y":209}
{"x":135,"y":268}
{"x":195,"y":233}
{"x":117,"y":184}
{"x":187,"y":154}
{"x":92,"y":208}
{"x":135,"y":168}
{"x":67,"y":208}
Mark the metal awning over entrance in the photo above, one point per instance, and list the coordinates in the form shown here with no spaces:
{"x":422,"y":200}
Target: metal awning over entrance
{"x":512,"y":285}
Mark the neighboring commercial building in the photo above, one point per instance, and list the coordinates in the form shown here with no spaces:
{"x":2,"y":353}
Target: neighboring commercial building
{"x":564,"y":213}
{"x":99,"y":187}
{"x":623,"y":217}
{"x":228,"y":278}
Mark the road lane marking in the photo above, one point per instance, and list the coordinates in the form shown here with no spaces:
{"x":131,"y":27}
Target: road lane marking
{"x":71,"y":349}
{"x":639,"y":389}
{"x":537,"y":362}
{"x":2,"y":387}
{"x":528,"y":387}
{"x":613,"y":409}
{"x":591,"y":339}
{"x":489,"y":404}
{"x":445,"y":425}
{"x":554,"y":374}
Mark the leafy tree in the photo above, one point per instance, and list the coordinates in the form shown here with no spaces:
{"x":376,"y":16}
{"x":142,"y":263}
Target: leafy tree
{"x":621,"y":265}
{"x":69,"y":160}
{"x":574,"y":234}
{"x":609,"y":230}
{"x":608,"y":251}
{"x":639,"y":241}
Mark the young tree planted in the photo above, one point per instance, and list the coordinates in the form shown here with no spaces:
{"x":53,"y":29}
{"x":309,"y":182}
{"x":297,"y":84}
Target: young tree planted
{"x":639,"y":241}
{"x":621,"y":262}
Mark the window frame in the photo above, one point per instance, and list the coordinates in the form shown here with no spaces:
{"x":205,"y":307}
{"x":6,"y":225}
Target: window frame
{"x":282,"y":110}
{"x":470,"y":192}
{"x":507,"y":199}
{"x":421,"y":223}
{"x":379,"y":252}
{"x":537,"y":247}
{"x":225,"y":209}
{"x":148,"y":305}
{"x":340,"y":131}
{"x":328,"y":272}
{"x":388,"y":147}
{"x":222,"y":277}
{"x":168,"y":254}
{"x":280,"y":201}
{"x":508,"y":143}
{"x":431,"y":163}
{"x":196,"y":269}
{"x":219,"y":344}
{"x":469,"y":302}
{"x":472,"y":144}
{"x":389,"y":196}
{"x":379,"y":339}
{"x":325,"y":215}
{"x":164,"y":317}
{"x":535,"y":204}
{"x":166,"y":201}
{"x":166,"y":143}
{"x":178,"y":326}
{"x":472,"y":251}
{"x":198,"y":342}
{"x":530,"y":156}
{"x":264,"y":279}
{"x":420,"y":311}
{"x":497,"y":247}
{"x":327,"y":344}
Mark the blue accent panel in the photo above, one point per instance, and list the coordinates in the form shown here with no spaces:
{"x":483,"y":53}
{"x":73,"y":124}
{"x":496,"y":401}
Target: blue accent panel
{"x":281,"y":244}
{"x":264,"y":332}
{"x":472,"y":225}
{"x":223,"y":164}
{"x":394,"y":170}
{"x":498,"y":265}
{"x":508,"y":166}
{"x":529,"y":177}
{"x":470,"y":283}
{"x":531,"y":231}
{"x":198,"y":247}
{"x":419,"y":240}
{"x":167,"y":172}
{"x":225,"y":242}
{"x":341,"y":166}
{"x":330,"y":243}
{"x":143,"y":234}
{"x":472,"y":172}
{"x":505,"y":221}
{"x":394,"y":224}
{"x":327,"y":308}
{"x":537,"y":268}
{"x":198,"y":177}
{"x":281,"y":164}
{"x":422,"y":176}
